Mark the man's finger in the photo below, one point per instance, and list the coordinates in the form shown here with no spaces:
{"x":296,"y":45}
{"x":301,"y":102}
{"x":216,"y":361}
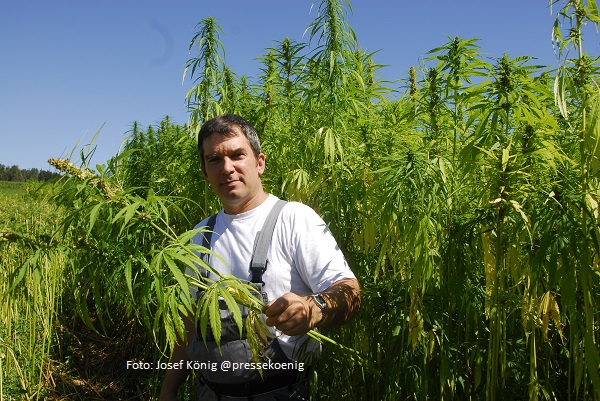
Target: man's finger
{"x":276,"y":307}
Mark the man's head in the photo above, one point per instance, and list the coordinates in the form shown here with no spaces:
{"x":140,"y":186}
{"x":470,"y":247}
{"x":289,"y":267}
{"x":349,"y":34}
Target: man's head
{"x":225,"y":125}
{"x":232,"y":163}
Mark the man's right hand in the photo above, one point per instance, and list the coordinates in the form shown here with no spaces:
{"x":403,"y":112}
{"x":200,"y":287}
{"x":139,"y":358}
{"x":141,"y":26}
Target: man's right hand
{"x":174,"y":378}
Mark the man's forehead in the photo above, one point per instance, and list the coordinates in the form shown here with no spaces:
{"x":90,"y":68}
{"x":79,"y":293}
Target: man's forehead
{"x":220,"y":143}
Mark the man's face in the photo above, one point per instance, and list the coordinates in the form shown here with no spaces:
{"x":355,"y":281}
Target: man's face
{"x":233,"y":171}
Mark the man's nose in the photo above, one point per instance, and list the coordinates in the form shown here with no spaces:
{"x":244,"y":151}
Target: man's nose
{"x":227,"y":165}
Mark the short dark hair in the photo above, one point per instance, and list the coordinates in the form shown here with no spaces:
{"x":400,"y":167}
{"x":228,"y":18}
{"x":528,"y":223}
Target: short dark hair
{"x":224,"y":125}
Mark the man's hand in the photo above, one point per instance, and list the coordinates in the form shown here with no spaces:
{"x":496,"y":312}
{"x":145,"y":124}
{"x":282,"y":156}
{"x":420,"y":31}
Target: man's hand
{"x":174,"y":378}
{"x":293,"y":314}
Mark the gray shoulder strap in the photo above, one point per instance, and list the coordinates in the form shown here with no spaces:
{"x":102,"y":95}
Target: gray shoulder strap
{"x":206,"y":237}
{"x":263,"y":241}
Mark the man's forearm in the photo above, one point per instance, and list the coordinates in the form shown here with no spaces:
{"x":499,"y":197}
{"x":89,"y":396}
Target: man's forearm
{"x":174,"y":378}
{"x":343,"y":301}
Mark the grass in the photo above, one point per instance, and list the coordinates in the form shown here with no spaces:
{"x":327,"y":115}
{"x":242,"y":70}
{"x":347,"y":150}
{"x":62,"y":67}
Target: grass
{"x":12,"y":187}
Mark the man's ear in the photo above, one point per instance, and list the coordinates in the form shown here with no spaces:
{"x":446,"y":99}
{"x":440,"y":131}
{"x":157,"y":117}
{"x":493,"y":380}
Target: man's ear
{"x":260,"y":162}
{"x":203,"y":168}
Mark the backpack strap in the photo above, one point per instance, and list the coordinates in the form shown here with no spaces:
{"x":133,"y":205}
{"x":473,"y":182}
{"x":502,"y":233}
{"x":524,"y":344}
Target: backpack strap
{"x":259,"y":262}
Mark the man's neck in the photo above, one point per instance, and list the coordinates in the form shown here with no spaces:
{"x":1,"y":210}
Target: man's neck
{"x":255,"y":202}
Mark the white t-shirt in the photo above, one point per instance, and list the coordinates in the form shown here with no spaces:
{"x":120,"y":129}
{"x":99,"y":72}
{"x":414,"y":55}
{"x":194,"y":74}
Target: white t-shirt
{"x":303,"y":258}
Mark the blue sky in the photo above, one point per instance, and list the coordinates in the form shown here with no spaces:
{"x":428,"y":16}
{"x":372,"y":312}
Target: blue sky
{"x":70,"y":68}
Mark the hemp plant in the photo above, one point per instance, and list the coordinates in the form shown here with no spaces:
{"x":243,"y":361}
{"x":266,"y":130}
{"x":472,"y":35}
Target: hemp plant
{"x":577,"y":96}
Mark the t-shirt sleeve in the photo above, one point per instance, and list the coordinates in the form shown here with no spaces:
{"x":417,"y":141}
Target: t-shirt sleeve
{"x":318,"y":258}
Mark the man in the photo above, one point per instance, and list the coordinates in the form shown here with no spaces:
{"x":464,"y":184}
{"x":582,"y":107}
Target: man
{"x":307,"y":280}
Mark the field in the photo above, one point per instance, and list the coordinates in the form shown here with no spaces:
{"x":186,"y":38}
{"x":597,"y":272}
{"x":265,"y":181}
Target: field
{"x":27,"y":315}
{"x":464,"y":197}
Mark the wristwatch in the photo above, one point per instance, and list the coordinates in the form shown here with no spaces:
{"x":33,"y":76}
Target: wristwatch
{"x":322,"y":304}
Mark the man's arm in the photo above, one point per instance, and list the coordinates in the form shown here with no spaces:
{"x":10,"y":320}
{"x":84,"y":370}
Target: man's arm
{"x":343,"y":300}
{"x":297,"y":314}
{"x":174,"y":378}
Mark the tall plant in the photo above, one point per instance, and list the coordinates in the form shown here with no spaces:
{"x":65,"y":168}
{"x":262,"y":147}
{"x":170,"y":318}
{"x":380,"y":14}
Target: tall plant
{"x":578,"y":98}
{"x":207,"y":69}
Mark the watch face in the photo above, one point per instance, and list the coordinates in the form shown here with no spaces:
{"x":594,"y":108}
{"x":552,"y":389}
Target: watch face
{"x":320,"y":301}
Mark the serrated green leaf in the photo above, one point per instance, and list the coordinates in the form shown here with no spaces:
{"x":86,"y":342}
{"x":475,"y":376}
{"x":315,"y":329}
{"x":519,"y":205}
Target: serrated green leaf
{"x":127,"y":213}
{"x":37,"y":277}
{"x":232,"y":306}
{"x":214,"y":313}
{"x":203,"y":318}
{"x":19,"y":277}
{"x":177,"y":273}
{"x":592,"y":358}
{"x":93,"y":217}
{"x":559,"y":96}
{"x":252,"y":340}
{"x":84,"y":312}
{"x":592,"y":10}
{"x":189,"y":259}
{"x":128,"y":277}
{"x":130,"y":212}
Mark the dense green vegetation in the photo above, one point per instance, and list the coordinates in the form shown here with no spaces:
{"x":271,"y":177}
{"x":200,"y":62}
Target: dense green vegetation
{"x":466,"y":203}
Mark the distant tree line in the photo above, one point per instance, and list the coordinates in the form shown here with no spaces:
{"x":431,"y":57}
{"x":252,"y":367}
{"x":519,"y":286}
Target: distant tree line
{"x":14,"y":173}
